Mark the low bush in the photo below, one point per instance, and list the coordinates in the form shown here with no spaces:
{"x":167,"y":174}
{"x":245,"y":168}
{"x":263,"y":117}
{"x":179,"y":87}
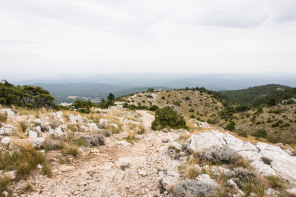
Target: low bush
{"x":219,"y":155}
{"x":189,"y":188}
{"x":167,"y":117}
{"x":230,"y":126}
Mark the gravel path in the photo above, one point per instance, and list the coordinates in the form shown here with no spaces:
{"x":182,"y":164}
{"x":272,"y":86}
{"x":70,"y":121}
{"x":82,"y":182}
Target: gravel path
{"x":111,"y":170}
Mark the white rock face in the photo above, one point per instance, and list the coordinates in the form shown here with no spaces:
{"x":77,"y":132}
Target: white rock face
{"x":282,"y":165}
{"x":205,"y":140}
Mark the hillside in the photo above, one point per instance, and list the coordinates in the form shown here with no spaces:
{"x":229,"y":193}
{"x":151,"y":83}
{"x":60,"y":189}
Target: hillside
{"x":256,"y":95}
{"x":277,"y":122}
{"x":187,"y":102}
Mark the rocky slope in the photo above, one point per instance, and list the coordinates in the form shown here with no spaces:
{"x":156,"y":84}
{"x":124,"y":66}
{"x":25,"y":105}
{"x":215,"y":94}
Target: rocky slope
{"x":133,"y":160}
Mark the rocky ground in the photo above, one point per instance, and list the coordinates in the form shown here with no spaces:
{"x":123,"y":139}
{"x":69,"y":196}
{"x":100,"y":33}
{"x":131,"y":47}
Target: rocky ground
{"x":154,"y":163}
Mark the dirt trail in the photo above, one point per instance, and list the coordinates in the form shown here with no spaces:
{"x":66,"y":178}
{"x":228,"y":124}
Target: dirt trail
{"x":113,"y":169}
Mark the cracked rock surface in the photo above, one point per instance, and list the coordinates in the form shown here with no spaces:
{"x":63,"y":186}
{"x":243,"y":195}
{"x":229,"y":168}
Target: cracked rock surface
{"x":282,"y":163}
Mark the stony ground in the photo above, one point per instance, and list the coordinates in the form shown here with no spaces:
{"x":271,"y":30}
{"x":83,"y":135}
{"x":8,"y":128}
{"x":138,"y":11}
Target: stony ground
{"x":116,"y":169}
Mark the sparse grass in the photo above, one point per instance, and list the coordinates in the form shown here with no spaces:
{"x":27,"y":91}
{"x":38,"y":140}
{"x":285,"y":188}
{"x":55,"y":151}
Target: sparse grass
{"x":141,"y":130}
{"x":53,"y":144}
{"x":131,"y":126}
{"x":82,"y":142}
{"x":3,"y":117}
{"x":131,"y":138}
{"x":275,"y":182}
{"x":192,"y":172}
{"x":23,"y":161}
{"x":54,"y":124}
{"x":74,"y":127}
{"x":23,"y":125}
{"x":70,"y":150}
{"x":4,"y":182}
{"x":27,"y":188}
{"x":46,"y":170}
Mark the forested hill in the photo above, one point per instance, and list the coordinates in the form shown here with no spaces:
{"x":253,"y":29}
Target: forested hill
{"x":266,"y":94}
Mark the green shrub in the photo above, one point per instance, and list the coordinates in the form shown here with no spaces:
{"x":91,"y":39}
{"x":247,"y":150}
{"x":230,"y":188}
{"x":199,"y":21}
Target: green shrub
{"x":230,"y":126}
{"x":192,"y":116}
{"x":167,"y":117}
{"x":153,"y":108}
{"x":187,"y":98}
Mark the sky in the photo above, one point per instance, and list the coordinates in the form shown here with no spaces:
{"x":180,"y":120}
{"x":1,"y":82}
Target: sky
{"x":43,"y":38}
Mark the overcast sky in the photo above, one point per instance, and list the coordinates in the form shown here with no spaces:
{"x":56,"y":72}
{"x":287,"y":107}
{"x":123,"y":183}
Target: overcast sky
{"x":39,"y":37}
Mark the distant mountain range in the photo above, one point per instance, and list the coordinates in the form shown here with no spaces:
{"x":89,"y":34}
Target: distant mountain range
{"x":100,"y":85}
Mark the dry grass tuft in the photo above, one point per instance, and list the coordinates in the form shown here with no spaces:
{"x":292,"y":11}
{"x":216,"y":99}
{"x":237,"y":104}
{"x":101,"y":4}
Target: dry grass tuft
{"x":3,"y":117}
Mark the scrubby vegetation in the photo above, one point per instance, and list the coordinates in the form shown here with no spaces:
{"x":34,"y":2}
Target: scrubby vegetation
{"x":262,"y":95}
{"x":167,"y":117}
{"x":25,"y":96}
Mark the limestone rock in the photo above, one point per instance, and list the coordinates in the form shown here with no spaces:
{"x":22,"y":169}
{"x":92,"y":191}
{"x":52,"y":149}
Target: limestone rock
{"x":142,"y":172}
{"x":206,"y":179}
{"x":6,"y":129}
{"x":205,"y":140}
{"x":175,"y":145}
{"x":168,"y":178}
{"x":123,"y":143}
{"x":58,"y":132}
{"x":6,"y":140}
{"x":37,"y":142}
{"x":10,"y":174}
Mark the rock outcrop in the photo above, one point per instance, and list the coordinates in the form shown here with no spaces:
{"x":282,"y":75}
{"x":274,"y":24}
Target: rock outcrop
{"x":282,"y":163}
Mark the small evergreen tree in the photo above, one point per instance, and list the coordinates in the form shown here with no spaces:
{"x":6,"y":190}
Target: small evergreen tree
{"x":167,"y":117}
